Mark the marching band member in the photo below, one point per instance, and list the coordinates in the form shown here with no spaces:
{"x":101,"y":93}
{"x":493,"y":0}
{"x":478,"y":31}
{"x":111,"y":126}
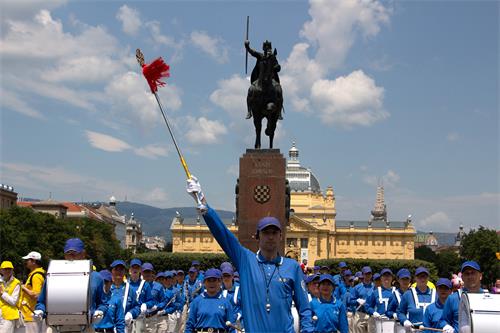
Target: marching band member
{"x":376,"y":280}
{"x":210,"y":311}
{"x":31,"y":290}
{"x":432,"y":314}
{"x":312,"y":283}
{"x":141,"y":292}
{"x":339,"y":278}
{"x":74,"y":249}
{"x":329,"y":312}
{"x":10,"y":289}
{"x":122,"y":288}
{"x":471,"y":276}
{"x":230,"y":290}
{"x":193,"y":283}
{"x":113,"y":318}
{"x":404,"y":280}
{"x":269,"y":281}
{"x":345,"y":295}
{"x":358,"y":298}
{"x":377,"y":303}
{"x":415,"y":300}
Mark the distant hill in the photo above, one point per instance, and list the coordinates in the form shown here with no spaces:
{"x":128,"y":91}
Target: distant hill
{"x":156,"y":221}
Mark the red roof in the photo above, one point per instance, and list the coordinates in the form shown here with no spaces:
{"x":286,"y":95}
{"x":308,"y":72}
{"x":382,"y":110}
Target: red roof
{"x":72,"y":207}
{"x":24,"y":203}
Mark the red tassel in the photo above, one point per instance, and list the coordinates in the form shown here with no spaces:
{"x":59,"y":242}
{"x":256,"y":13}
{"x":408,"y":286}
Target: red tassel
{"x":154,"y":72}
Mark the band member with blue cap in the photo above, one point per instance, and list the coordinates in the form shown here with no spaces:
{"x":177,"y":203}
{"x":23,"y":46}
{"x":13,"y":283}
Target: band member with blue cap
{"x":378,"y":301}
{"x":415,"y":300}
{"x":211,"y":312}
{"x":122,"y":288}
{"x":113,"y":319}
{"x":269,"y":282}
{"x":338,"y":278}
{"x":329,"y":313}
{"x":432,"y":314}
{"x":74,"y":249}
{"x":403,"y":281}
{"x":359,"y":295}
{"x":472,"y":276}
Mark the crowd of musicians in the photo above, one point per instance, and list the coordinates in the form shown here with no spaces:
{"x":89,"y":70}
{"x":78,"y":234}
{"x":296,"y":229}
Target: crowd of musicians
{"x":134,"y":297}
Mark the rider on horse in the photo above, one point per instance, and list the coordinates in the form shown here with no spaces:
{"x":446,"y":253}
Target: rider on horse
{"x":262,"y":59}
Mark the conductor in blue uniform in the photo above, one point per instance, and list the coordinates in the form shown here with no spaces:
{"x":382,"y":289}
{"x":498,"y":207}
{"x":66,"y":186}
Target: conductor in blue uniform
{"x":269,"y":281}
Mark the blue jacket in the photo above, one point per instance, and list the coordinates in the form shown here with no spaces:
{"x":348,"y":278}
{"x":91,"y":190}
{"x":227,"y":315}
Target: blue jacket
{"x":432,"y":315}
{"x":141,"y":296}
{"x":113,"y":316}
{"x":408,"y":310}
{"x":283,"y":275}
{"x":132,"y":305}
{"x":332,"y":315}
{"x":209,"y":312}
{"x":361,"y":290}
{"x":394,"y":302}
{"x":168,"y":302}
{"x":97,"y":297}
{"x":450,"y":310}
{"x":375,"y":303}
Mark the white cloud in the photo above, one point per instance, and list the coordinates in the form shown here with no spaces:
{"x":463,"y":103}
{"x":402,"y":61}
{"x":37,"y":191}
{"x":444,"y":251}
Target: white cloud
{"x":204,"y":131}
{"x":436,"y":221}
{"x":452,"y":137}
{"x":349,"y":100}
{"x":389,"y":180}
{"x":130,"y":19}
{"x":158,"y":38}
{"x":15,"y":9}
{"x":83,"y":69}
{"x":213,"y":46}
{"x":106,"y":142}
{"x":157,"y":195}
{"x":152,"y":151}
{"x":231,"y":95}
{"x":13,"y":101}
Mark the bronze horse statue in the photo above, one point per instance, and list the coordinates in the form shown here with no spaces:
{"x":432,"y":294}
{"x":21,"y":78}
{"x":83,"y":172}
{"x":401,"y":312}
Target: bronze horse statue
{"x":265,"y":96}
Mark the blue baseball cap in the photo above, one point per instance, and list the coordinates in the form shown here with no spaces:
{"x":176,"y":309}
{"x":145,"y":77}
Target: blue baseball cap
{"x":358,"y":274}
{"x":195,"y":262}
{"x":366,"y":270}
{"x":106,"y":275}
{"x":147,"y":266}
{"x":311,"y":278}
{"x":385,"y":271}
{"x":444,"y":282}
{"x":160,"y":275}
{"x":227,"y":270}
{"x":135,"y":262}
{"x":347,"y":272}
{"x":118,"y":263}
{"x":212,"y":273}
{"x":472,"y":264}
{"x":403,"y":273}
{"x":193,"y":270}
{"x":324,"y":267}
{"x":326,"y":277}
{"x":168,"y":274}
{"x":225,"y":264}
{"x":342,"y":264}
{"x":376,"y":276}
{"x":180,"y":271}
{"x":267,"y":222}
{"x":421,"y":270}
{"x":316,"y":268}
{"x":74,"y":244}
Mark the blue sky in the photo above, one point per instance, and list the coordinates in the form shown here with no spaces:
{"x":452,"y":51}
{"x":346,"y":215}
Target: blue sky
{"x":403,"y":92}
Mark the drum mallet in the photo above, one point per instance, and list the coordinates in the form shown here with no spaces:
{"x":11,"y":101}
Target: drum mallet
{"x":423,"y":328}
{"x":23,"y":303}
{"x":229,"y":324}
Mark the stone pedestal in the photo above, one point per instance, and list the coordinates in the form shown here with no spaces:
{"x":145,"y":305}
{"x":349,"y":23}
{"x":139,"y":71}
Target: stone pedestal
{"x":261,"y":192}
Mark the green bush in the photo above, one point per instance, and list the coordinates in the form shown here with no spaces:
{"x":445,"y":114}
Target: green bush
{"x":168,"y":261}
{"x":378,"y":264}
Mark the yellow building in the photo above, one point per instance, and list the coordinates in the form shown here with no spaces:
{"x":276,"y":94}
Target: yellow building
{"x":313,"y":232}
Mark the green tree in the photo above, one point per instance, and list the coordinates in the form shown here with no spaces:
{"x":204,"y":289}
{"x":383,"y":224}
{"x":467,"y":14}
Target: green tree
{"x":481,"y":246}
{"x":425,"y":253}
{"x":447,"y":263}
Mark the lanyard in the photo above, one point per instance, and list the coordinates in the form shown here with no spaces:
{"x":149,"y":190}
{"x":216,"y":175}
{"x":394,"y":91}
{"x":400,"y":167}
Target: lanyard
{"x":268,"y":283}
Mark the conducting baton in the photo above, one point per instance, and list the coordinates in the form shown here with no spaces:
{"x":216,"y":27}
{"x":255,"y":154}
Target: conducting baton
{"x":153,"y":73}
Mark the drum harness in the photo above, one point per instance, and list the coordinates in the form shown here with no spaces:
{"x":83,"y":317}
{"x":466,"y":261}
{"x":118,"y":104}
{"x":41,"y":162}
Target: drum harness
{"x":423,"y":306}
{"x":385,"y":301}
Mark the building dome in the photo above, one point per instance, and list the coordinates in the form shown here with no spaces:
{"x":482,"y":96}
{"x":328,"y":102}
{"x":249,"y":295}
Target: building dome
{"x":300,"y":179}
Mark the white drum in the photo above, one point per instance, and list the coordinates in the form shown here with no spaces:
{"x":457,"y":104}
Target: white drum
{"x":384,"y":325}
{"x":68,"y":293}
{"x":295,"y":315}
{"x":398,"y":328}
{"x":479,"y":313}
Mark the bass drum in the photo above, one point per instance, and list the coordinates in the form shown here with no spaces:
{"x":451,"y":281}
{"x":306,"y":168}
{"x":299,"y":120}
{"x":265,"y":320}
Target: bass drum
{"x":68,"y":293}
{"x":384,"y":325}
{"x":479,"y":313}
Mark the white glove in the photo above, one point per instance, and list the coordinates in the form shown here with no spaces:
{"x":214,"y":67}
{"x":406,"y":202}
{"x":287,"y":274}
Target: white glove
{"x":154,"y":308}
{"x":407,"y":324}
{"x":448,"y":329}
{"x":349,"y":314}
{"x":128,"y":318}
{"x":395,"y":316}
{"x":144,"y":308}
{"x":97,"y":316}
{"x":38,"y":314}
{"x":361,"y":301}
{"x":161,"y":313}
{"x":194,"y":189}
{"x":376,"y":315}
